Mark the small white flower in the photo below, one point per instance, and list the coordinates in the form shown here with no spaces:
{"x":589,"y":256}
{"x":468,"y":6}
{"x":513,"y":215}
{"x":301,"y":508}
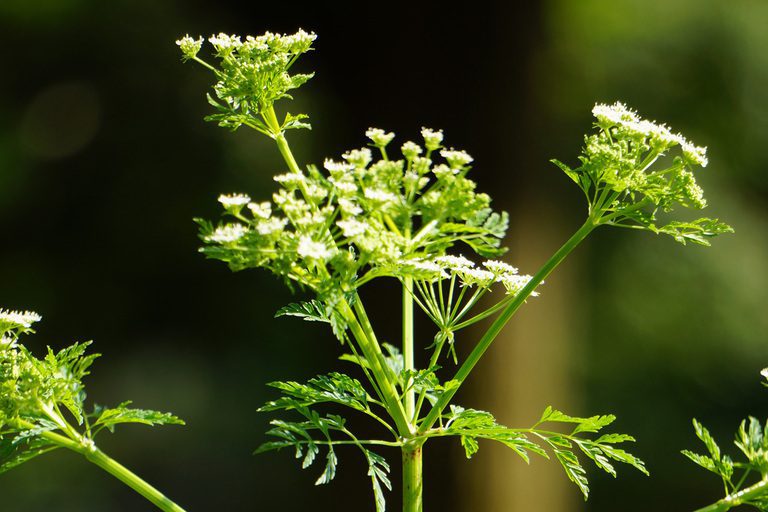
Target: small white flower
{"x":454,"y":262}
{"x":515,"y":283}
{"x":475,"y":276}
{"x":499,"y":268}
{"x":290,"y":177}
{"x":253,"y":44}
{"x":427,"y":266}
{"x":358,"y":157}
{"x":661,"y":133}
{"x":223,"y":41}
{"x":349,"y":207}
{"x":377,"y":194}
{"x":261,"y":210}
{"x":300,"y":41}
{"x":432,"y":138}
{"x":272,"y":225}
{"x":18,"y":318}
{"x":315,"y":192}
{"x":289,"y":203}
{"x":227,"y":233}
{"x":615,"y":114}
{"x":379,"y":137}
{"x":425,"y":269}
{"x":337,"y":167}
{"x":442,"y":171}
{"x":694,"y":154}
{"x":456,"y":159}
{"x":6,"y":343}
{"x":190,"y":47}
{"x":345,"y":187}
{"x":311,"y":249}
{"x":351,"y":227}
{"x":410,"y":150}
{"x":410,"y":178}
{"x":234,"y":200}
{"x":316,"y":218}
{"x":420,"y":165}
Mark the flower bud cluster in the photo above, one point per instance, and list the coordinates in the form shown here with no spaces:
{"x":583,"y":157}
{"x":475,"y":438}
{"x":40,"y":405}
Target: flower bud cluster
{"x":629,"y":173}
{"x":467,"y":273}
{"x":252,"y":74}
{"x":618,"y":118}
{"x":361,"y":217}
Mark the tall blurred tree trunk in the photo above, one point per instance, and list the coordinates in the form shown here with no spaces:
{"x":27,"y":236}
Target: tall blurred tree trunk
{"x":527,"y":368}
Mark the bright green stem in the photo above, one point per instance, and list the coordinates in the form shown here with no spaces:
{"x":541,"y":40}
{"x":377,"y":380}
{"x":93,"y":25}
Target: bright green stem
{"x":413,"y":477}
{"x":410,"y":393}
{"x":501,"y":321}
{"x":750,"y":494}
{"x":270,"y":118}
{"x":123,"y":474}
{"x":369,"y":346}
{"x":285,"y":150}
{"x":114,"y":468}
{"x":361,"y":329}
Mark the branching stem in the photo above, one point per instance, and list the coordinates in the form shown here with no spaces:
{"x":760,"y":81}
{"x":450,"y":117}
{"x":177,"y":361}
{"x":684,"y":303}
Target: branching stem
{"x":89,"y":450}
{"x":759,"y":490}
{"x":501,"y":321}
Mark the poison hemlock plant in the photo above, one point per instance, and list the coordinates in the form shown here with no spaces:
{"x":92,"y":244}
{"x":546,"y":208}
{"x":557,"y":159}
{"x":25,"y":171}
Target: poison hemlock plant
{"x":407,"y":214}
{"x":745,"y":482}
{"x":42,"y":407}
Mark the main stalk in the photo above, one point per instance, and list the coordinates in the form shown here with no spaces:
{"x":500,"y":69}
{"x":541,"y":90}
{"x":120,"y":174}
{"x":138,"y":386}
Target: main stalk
{"x":413,"y":476}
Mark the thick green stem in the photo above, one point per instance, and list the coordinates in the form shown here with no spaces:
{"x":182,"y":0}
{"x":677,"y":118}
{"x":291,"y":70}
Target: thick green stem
{"x":759,"y":490}
{"x":285,"y":150}
{"x":501,"y":321}
{"x":413,"y":477}
{"x":362,"y":329}
{"x":123,"y":474}
{"x":410,"y":393}
{"x":371,"y":350}
{"x":86,"y":448}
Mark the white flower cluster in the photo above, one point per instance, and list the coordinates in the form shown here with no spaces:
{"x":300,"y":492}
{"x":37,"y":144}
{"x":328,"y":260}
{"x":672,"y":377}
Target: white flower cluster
{"x":379,"y":195}
{"x":352,"y":227}
{"x":432,"y":138}
{"x":189,"y":47}
{"x":299,"y":42}
{"x":271,"y":225}
{"x":261,"y":210}
{"x":312,"y":249}
{"x":230,"y":201}
{"x":224,"y":41}
{"x":358,"y":157}
{"x":454,"y":262}
{"x":16,"y":319}
{"x":290,"y":179}
{"x":379,"y":137}
{"x":410,"y":150}
{"x":334,"y":167}
{"x":494,"y":272}
{"x":659,"y":134}
{"x":423,"y":270}
{"x":227,"y":233}
{"x":354,"y":214}
{"x":456,"y":159}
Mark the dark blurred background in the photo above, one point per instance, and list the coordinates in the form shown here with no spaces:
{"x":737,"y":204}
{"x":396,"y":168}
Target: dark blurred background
{"x":105,"y":159}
